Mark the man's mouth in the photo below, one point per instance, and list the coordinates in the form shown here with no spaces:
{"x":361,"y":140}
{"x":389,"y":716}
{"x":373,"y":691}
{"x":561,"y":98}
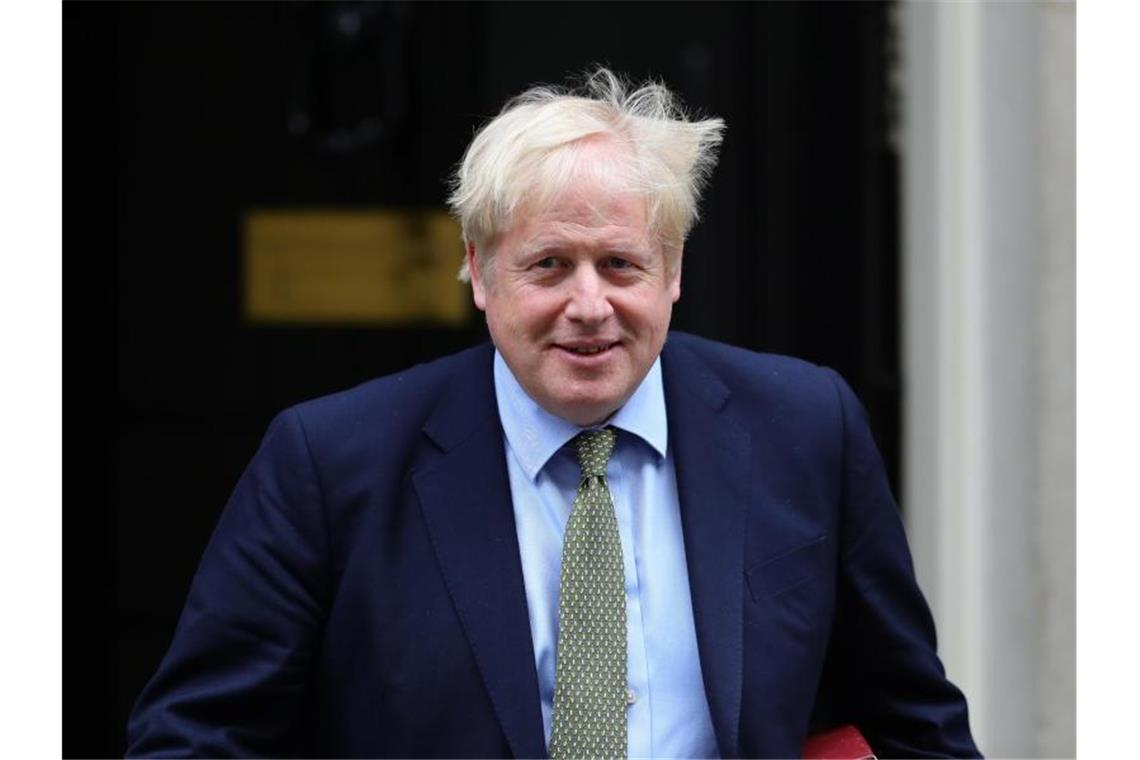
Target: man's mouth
{"x":587,"y":349}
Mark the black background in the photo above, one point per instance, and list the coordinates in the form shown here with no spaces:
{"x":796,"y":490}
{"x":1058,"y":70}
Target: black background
{"x":181,"y":117}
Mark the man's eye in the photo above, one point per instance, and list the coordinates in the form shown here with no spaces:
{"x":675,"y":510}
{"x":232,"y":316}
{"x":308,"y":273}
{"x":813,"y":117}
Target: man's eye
{"x":618,"y":263}
{"x":548,"y":263}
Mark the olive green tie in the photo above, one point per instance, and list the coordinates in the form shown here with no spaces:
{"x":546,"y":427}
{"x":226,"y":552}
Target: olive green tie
{"x":590,"y":674}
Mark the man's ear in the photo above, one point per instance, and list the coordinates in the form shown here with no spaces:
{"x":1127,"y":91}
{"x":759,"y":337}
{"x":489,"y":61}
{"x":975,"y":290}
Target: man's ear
{"x":478,"y":291}
{"x":674,"y":273}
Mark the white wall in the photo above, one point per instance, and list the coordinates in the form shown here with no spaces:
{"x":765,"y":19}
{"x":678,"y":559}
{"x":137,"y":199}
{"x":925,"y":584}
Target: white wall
{"x":988,"y":148}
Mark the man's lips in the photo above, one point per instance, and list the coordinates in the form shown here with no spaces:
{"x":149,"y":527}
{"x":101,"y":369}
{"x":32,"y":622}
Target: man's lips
{"x":586,"y":348}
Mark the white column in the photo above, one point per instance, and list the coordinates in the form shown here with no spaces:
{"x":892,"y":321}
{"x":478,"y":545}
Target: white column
{"x":989,"y":356}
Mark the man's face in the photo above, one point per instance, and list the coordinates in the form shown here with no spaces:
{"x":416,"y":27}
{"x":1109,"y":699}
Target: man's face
{"x":578,"y":299}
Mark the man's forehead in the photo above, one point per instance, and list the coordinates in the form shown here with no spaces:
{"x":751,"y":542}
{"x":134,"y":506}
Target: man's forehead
{"x":587,"y":202}
{"x":597,"y":227}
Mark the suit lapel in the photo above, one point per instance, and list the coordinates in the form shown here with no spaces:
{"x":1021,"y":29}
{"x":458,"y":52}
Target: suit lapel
{"x":465,"y":497}
{"x":711,"y":455}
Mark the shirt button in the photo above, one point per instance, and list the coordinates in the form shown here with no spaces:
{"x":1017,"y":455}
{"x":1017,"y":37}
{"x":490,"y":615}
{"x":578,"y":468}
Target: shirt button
{"x":630,"y":696}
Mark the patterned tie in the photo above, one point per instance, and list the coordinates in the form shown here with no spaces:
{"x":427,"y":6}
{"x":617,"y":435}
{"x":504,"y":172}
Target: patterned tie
{"x":590,"y":674}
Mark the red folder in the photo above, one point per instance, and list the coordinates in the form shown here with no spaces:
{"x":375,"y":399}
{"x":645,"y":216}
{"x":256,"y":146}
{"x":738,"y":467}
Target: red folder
{"x":843,"y":743}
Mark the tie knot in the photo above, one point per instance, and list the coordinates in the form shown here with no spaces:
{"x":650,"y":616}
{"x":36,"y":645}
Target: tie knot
{"x":594,"y":448}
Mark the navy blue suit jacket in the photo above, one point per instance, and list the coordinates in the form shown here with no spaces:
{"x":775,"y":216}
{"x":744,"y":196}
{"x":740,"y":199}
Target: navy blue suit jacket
{"x":363,"y":594}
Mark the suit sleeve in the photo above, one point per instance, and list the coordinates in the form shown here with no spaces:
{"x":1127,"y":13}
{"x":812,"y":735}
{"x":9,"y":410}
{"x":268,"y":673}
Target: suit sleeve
{"x":235,"y":678}
{"x":885,"y":672}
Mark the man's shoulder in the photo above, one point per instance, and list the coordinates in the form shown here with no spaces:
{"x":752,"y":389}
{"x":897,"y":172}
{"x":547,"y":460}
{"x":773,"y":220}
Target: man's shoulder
{"x":779,"y":397}
{"x":743,"y":369}
{"x":404,"y":398}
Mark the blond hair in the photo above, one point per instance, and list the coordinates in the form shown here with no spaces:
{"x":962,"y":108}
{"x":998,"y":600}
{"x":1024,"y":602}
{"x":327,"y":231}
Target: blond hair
{"x":529,"y":153}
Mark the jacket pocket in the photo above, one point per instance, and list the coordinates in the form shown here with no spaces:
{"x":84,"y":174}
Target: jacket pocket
{"x":787,"y":570}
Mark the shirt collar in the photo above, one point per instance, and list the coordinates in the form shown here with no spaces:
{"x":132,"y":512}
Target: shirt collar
{"x":535,"y":434}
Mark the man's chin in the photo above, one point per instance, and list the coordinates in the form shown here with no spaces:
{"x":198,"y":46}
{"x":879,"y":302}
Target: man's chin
{"x":586,"y":412}
{"x":584,"y":400}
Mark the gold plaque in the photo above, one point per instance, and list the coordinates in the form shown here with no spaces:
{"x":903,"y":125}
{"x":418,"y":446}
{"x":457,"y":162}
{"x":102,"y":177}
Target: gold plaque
{"x":381,"y":267}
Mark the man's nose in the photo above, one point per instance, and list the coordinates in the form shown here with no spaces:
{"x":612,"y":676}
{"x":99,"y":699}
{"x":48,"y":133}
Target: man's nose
{"x":589,"y":297}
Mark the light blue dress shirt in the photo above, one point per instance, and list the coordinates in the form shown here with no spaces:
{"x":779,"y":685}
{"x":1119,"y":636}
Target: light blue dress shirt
{"x":669,"y":714}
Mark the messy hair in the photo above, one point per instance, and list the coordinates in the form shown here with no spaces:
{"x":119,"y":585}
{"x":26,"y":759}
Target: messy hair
{"x":529,"y":153}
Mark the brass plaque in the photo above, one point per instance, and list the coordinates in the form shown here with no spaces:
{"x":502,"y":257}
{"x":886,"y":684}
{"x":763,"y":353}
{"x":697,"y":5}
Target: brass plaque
{"x":382,"y":267}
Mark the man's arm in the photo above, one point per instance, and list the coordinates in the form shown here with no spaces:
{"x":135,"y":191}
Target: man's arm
{"x":883,"y":671}
{"x":236,"y":675}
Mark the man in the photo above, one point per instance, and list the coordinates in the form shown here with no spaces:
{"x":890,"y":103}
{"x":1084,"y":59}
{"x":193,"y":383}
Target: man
{"x":593,"y":538}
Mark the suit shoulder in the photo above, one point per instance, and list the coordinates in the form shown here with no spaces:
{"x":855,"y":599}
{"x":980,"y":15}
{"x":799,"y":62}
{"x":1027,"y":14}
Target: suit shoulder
{"x":743,"y":368}
{"x":783,"y":397}
{"x":402,"y":399}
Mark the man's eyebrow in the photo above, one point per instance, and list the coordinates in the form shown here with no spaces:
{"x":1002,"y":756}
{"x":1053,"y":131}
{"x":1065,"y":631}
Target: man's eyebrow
{"x":539,"y":245}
